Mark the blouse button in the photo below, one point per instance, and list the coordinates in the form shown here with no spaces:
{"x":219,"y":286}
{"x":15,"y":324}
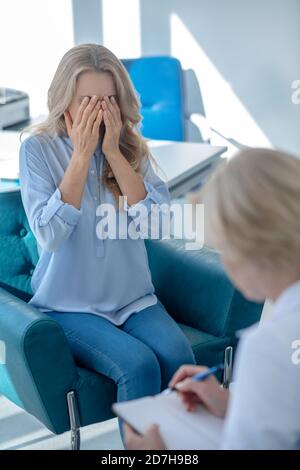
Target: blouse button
{"x":92,"y":172}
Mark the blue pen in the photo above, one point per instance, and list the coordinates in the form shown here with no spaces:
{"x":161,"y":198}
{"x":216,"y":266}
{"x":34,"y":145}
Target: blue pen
{"x":198,"y":377}
{"x":203,"y":375}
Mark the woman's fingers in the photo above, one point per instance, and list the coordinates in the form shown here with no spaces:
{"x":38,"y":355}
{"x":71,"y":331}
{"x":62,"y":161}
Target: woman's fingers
{"x":115,"y":105}
{"x":190,"y":400}
{"x":88,"y":110}
{"x":97,"y":121}
{"x":68,"y":121}
{"x":207,"y":392}
{"x":112,"y":105}
{"x":132,"y":439}
{"x":113,"y":109}
{"x":108,"y":113}
{"x":80,"y":110}
{"x":93,"y":116}
{"x":184,"y":372}
{"x":108,"y":120}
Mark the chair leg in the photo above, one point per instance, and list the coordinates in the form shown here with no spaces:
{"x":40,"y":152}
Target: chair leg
{"x":227,"y":366}
{"x":74,"y":420}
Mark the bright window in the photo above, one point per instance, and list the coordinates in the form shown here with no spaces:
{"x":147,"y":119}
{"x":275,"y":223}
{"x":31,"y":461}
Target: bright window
{"x":34,"y":35}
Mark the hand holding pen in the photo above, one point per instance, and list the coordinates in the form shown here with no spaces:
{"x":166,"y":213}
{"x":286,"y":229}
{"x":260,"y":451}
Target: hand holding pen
{"x":198,"y":386}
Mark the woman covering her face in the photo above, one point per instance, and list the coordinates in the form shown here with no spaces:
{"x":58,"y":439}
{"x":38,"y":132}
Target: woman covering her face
{"x":87,"y":162}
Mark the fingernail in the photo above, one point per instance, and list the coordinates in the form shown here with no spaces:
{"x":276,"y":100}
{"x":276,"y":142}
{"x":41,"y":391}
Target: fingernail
{"x":179,"y":385}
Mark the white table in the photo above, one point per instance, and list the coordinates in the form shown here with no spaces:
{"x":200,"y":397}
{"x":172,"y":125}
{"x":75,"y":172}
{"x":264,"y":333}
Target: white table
{"x":184,"y":164}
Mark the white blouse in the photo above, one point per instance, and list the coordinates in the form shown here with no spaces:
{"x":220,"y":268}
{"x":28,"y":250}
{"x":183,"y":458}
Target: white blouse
{"x":264,"y":408}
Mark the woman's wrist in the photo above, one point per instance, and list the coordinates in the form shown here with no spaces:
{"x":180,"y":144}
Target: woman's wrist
{"x":113,"y":155}
{"x":81,"y":159}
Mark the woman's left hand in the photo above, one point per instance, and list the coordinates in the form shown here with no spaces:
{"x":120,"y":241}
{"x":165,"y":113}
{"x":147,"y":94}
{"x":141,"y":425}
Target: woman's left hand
{"x":113,"y":125}
{"x":151,"y":440}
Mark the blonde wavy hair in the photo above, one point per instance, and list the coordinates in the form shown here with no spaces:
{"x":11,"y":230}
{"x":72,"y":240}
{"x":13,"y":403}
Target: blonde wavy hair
{"x":96,"y":58}
{"x":252,"y":208}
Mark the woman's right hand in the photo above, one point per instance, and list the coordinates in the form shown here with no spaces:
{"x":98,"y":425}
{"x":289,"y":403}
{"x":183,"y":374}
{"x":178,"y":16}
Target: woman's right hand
{"x":84,"y":131}
{"x":207,"y":392}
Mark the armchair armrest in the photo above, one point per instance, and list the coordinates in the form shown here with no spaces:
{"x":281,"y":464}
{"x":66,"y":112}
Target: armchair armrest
{"x":39,"y":368}
{"x":195,"y":289}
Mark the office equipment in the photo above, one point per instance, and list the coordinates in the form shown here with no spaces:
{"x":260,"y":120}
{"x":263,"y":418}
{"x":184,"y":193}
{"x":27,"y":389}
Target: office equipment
{"x":185,"y":164}
{"x":180,"y":429}
{"x":14,"y":107}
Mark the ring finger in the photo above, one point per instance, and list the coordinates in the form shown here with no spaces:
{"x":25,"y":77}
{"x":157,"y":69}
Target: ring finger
{"x":92,"y":117}
{"x":109,"y":110}
{"x":88,"y":110}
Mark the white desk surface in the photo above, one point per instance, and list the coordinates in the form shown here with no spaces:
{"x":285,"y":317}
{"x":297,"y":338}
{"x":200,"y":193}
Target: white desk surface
{"x":179,"y":161}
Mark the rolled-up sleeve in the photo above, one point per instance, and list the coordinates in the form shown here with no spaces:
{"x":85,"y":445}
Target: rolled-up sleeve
{"x":151,"y":211}
{"x":51,"y":220}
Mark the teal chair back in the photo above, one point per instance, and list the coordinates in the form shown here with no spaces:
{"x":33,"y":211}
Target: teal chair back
{"x":18,"y":253}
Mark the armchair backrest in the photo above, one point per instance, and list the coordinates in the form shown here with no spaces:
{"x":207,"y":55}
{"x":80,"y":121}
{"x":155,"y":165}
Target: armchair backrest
{"x":158,"y":81}
{"x":18,"y":249}
{"x":202,"y":294}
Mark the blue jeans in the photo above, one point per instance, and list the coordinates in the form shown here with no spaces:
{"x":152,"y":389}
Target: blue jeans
{"x":140,"y":356}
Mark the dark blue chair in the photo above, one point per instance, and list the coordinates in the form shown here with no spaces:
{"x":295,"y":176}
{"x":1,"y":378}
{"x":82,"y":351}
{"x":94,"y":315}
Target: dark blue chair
{"x":158,"y":81}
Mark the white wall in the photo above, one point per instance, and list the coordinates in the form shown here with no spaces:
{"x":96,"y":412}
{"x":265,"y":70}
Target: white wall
{"x":34,"y":35}
{"x":245,"y":55}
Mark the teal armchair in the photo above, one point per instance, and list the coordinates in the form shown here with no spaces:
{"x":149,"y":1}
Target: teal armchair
{"x":39,"y":373}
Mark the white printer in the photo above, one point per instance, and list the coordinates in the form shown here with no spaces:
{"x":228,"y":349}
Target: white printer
{"x":14,"y":107}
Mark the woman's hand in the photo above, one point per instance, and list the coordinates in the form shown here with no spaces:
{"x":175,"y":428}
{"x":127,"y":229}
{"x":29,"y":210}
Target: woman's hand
{"x":84,"y":131}
{"x":151,"y":440}
{"x":113,"y":125}
{"x":207,"y":393}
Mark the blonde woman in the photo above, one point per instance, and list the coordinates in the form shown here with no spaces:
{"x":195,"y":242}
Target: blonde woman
{"x":252,"y":207}
{"x":86,"y":154}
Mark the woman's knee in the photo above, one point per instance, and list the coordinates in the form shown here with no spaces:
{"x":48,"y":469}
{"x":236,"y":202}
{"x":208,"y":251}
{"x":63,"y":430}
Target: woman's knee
{"x":143,"y":370}
{"x":184,"y":352}
{"x":174,"y":353}
{"x":145,"y":364}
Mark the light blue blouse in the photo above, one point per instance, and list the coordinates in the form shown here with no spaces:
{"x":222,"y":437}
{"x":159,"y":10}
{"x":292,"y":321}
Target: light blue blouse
{"x":77,"y":271}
